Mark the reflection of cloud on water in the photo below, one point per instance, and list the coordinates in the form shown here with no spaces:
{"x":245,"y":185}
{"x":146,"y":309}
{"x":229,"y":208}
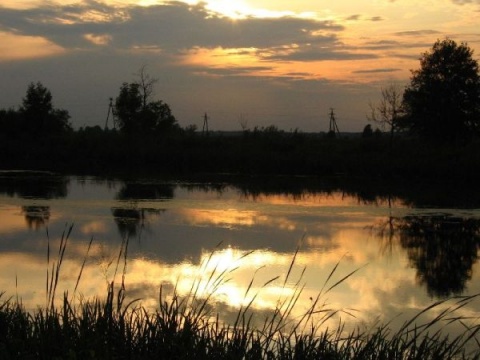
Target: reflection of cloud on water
{"x":94,"y":227}
{"x":228,"y":217}
{"x":11,"y":221}
{"x":36,"y":215}
{"x":235,"y":218}
{"x":380,"y":292}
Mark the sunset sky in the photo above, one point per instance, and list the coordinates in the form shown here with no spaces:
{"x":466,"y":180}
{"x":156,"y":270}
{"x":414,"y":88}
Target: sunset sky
{"x":259,"y":63}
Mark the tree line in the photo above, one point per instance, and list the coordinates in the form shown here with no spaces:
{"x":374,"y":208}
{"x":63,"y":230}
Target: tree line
{"x":441,"y":105}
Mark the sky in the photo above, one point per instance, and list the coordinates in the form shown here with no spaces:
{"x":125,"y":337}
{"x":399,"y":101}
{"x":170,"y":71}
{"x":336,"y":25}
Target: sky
{"x":245,"y":63}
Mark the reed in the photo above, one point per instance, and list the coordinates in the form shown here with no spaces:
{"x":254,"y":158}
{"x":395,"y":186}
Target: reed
{"x":187,"y":327}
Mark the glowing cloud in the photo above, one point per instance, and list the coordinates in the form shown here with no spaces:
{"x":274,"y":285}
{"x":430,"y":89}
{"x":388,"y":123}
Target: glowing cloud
{"x":18,"y":47}
{"x":98,"y":39}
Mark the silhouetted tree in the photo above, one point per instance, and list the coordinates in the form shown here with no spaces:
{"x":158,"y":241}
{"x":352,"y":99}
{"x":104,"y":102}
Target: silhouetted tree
{"x":38,"y":114}
{"x":367,"y":131}
{"x":146,"y":84}
{"x":389,"y":110}
{"x":137,"y":113}
{"x":128,"y":106}
{"x":10,"y":122}
{"x":443,"y":99}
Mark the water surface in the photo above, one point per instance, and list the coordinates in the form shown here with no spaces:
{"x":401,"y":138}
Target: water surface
{"x":403,"y":254}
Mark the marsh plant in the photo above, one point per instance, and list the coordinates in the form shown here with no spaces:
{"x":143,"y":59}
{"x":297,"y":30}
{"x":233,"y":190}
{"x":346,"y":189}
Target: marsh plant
{"x":186,"y":326}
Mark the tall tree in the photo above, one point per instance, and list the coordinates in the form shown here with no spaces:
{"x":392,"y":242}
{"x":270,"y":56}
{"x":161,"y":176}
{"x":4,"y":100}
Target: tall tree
{"x":389,"y":110}
{"x":128,"y":105}
{"x":136,"y":112}
{"x":146,"y":85}
{"x":39,"y":115}
{"x":443,"y":99}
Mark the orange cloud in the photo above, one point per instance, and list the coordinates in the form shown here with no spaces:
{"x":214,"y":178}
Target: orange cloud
{"x":17,"y":47}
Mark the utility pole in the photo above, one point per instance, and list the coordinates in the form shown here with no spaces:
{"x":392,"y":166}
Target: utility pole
{"x":205,"y":124}
{"x":333,"y":128}
{"x":110,"y":110}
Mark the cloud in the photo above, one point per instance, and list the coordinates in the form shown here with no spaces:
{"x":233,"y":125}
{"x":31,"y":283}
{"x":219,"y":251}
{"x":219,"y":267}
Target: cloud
{"x":463,"y":2}
{"x":353,"y":17}
{"x":358,"y":17}
{"x":373,"y":71}
{"x":17,"y":47}
{"x":98,"y":39}
{"x":417,"y":33}
{"x":174,"y":25}
{"x":309,"y":53}
{"x":231,"y":71}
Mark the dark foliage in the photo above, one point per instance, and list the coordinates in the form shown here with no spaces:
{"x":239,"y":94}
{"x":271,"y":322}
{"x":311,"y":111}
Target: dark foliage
{"x":38,"y":114}
{"x":137,"y":115}
{"x":442,"y":101}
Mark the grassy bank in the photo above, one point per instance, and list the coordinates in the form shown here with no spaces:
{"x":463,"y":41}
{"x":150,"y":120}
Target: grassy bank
{"x":186,"y":326}
{"x":181,"y":330}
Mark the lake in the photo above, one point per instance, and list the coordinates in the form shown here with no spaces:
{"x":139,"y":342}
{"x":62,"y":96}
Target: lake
{"x":392,"y":253}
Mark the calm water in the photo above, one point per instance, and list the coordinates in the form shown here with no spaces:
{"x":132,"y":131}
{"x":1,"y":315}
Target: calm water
{"x":406,"y":256}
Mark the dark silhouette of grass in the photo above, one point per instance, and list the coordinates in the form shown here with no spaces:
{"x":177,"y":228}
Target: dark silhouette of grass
{"x":185,"y":326}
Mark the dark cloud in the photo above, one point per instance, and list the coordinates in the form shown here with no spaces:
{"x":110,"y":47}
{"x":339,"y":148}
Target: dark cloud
{"x":417,"y":33}
{"x":299,"y":74}
{"x":463,"y":2}
{"x":231,"y":71}
{"x":373,"y":71}
{"x":174,"y":25}
{"x":310,"y":53}
{"x":394,"y":45}
{"x":353,"y":17}
{"x":382,"y":44}
{"x":357,"y":17}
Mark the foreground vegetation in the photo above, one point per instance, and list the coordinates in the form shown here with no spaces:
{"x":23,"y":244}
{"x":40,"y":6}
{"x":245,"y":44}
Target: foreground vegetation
{"x":186,"y":327}
{"x":106,"y":330}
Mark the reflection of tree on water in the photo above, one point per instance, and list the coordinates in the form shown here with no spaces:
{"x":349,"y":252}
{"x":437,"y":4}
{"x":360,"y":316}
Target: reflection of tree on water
{"x":34,"y":185}
{"x":443,"y":249}
{"x":145,"y":191}
{"x":36,"y":216}
{"x":131,"y":219}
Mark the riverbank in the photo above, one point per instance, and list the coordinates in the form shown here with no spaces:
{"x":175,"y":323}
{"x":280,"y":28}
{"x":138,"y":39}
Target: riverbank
{"x":98,"y":152}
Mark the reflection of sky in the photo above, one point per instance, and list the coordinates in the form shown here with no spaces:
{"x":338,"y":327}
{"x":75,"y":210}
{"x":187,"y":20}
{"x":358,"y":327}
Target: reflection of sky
{"x":172,"y":245}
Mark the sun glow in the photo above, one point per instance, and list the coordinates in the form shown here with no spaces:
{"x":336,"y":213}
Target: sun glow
{"x":235,"y":9}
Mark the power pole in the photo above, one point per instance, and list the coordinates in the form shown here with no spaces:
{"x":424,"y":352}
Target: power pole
{"x":205,"y":124}
{"x":110,"y":110}
{"x":333,"y":128}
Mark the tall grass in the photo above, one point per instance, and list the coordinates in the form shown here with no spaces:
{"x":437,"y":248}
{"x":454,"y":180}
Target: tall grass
{"x":187,"y":326}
